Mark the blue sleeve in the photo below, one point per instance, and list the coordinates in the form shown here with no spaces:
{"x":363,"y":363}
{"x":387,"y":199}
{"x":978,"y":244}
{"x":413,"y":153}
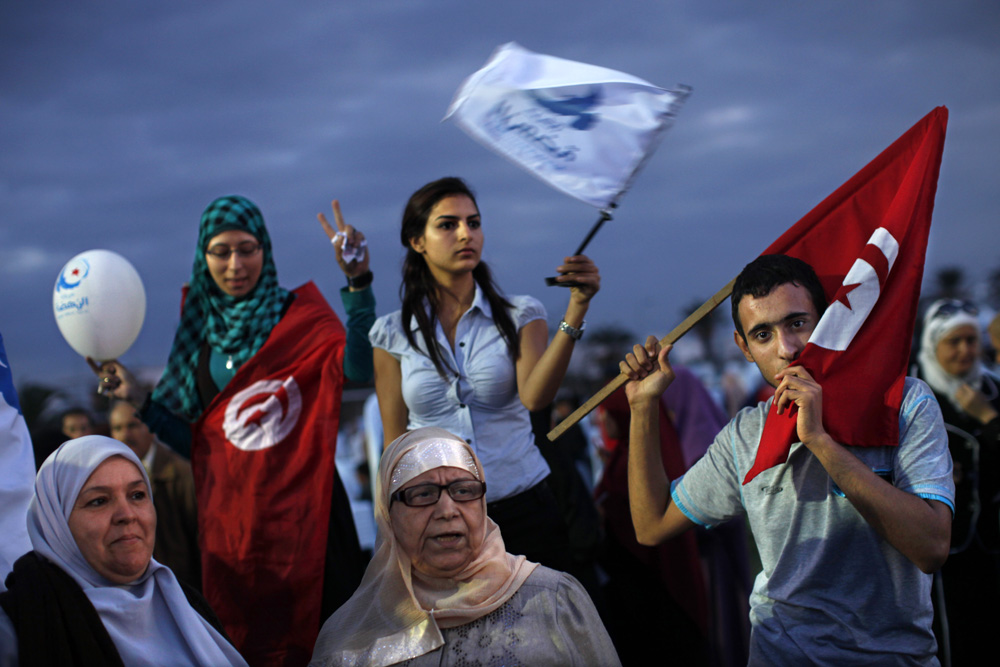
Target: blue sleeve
{"x":172,"y":430}
{"x":360,"y":309}
{"x":923,"y":462}
{"x":710,"y":493}
{"x":387,"y":334}
{"x":526,"y":309}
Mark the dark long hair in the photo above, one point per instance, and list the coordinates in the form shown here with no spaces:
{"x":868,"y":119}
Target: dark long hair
{"x":419,"y":284}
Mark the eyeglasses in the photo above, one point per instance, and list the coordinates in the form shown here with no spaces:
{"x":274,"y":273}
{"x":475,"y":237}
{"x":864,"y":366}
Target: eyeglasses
{"x":243,"y":250}
{"x":423,"y":495}
{"x":952,"y":306}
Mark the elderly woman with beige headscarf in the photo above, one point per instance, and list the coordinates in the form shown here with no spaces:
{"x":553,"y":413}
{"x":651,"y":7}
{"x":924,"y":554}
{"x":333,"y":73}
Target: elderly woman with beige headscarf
{"x":442,"y":589}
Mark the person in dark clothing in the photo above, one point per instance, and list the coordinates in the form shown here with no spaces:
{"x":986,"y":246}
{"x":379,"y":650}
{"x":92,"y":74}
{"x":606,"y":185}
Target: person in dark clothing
{"x":950,"y":361}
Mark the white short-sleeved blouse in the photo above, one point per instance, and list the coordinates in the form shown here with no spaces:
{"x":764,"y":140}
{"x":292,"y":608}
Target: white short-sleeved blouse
{"x":478,"y":399}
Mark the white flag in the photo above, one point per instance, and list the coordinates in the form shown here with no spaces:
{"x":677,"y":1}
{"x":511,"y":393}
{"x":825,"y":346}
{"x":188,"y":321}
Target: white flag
{"x":582,"y":129}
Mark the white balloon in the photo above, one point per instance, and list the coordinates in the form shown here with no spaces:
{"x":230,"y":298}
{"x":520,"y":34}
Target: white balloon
{"x":99,"y":304}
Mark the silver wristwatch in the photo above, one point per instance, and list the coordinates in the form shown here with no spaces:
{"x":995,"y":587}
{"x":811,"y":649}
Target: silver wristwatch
{"x":572,"y":332}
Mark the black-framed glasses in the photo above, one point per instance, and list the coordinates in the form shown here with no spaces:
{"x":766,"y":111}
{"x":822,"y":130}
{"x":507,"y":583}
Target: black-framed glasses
{"x":243,"y":250}
{"x":952,"y":306}
{"x":422,"y":495}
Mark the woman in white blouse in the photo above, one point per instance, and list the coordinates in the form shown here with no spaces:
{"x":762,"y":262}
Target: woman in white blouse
{"x":463,"y":357}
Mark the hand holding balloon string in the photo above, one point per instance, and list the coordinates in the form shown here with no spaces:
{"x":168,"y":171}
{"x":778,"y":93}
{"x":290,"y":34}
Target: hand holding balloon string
{"x":116,"y":381}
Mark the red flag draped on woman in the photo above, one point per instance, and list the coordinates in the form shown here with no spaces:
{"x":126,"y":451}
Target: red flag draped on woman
{"x":263,"y":461}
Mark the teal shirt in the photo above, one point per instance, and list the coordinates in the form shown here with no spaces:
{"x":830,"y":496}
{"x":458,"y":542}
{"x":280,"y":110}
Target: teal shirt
{"x":360,"y":309}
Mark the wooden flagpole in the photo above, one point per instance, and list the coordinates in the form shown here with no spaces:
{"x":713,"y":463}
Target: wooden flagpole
{"x":615,"y":384}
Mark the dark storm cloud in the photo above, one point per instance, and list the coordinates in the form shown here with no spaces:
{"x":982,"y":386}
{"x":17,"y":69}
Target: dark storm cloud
{"x":121,"y":121}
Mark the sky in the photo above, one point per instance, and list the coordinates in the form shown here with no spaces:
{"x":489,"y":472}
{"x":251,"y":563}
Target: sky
{"x":120,"y":122}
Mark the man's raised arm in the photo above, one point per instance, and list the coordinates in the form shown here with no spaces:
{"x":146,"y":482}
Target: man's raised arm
{"x":654,"y":516}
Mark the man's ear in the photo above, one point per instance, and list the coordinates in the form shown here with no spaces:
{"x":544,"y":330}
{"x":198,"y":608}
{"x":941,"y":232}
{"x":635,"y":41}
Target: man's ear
{"x":742,"y":344}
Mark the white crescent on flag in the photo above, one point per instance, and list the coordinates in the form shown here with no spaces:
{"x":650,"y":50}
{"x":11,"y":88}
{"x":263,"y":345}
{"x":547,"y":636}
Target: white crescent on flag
{"x":858,"y":294}
{"x":263,"y":414}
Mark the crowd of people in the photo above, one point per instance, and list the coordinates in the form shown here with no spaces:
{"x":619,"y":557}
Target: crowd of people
{"x":212,"y":526}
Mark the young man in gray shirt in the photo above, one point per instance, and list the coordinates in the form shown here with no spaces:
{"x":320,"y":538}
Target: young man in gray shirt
{"x":848,"y":536}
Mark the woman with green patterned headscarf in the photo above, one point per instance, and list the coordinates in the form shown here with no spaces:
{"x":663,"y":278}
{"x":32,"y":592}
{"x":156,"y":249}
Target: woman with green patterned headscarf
{"x":253,"y":366}
{"x":232,"y":302}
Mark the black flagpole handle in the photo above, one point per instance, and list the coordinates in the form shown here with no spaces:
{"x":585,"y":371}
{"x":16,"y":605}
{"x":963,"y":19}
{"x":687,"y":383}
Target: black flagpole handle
{"x":605,"y":216}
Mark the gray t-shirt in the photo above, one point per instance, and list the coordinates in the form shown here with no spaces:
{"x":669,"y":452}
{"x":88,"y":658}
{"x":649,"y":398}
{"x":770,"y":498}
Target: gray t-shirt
{"x":831,"y":591}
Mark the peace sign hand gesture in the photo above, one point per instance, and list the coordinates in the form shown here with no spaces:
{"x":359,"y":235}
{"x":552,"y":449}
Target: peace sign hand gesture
{"x":348,"y":243}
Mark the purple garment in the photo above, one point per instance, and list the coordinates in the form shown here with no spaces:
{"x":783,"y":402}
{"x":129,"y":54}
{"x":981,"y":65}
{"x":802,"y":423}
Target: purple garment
{"x":698,"y":419}
{"x":696,"y":416}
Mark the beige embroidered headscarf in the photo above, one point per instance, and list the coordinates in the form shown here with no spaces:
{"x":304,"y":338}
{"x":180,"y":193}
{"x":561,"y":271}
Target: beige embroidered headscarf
{"x":397,"y":614}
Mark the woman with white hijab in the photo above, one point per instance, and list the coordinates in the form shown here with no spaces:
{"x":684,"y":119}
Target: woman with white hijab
{"x":90,"y":592}
{"x":950,"y":361}
{"x":442,"y":589}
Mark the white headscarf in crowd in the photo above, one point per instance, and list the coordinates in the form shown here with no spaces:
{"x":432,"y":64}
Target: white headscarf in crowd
{"x":396,"y":613}
{"x":937,"y":325}
{"x":149,"y":620}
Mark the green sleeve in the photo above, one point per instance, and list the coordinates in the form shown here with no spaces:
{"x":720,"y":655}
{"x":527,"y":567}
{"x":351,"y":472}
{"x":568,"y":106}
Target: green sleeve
{"x":172,"y":430}
{"x":360,"y":309}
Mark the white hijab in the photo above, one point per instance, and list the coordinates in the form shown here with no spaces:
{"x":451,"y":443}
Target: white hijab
{"x":397,"y":614}
{"x":150,"y":619}
{"x":936,"y":326}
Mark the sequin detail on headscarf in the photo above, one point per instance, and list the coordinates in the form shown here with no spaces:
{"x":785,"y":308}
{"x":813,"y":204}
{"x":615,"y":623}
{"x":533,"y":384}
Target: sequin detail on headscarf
{"x":433,"y":454}
{"x":235,"y":326}
{"x":387,"y":621}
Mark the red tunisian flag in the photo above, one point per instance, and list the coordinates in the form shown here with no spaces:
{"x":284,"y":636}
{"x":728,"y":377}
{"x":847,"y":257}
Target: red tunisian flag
{"x":866,"y":243}
{"x":263,"y":463}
